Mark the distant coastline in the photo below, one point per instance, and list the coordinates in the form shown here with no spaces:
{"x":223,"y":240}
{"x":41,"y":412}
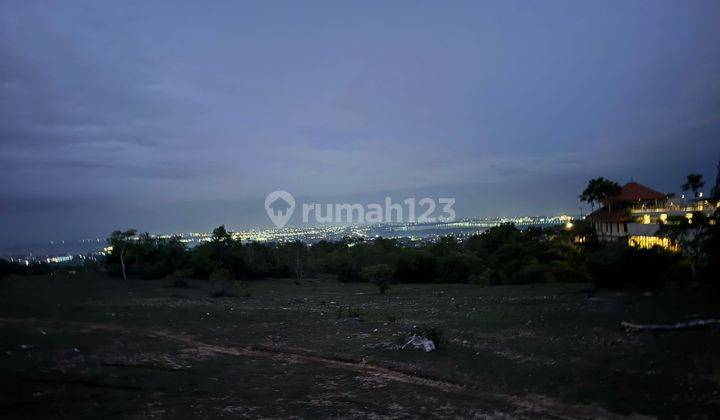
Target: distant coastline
{"x":308,"y":234}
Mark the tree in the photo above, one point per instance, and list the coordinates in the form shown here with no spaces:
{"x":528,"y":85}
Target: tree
{"x":691,"y":235}
{"x":119,"y":241}
{"x":608,"y":191}
{"x":222,"y":252}
{"x":591,"y":194}
{"x":600,"y":189}
{"x":220,"y":234}
{"x":715,"y":194}
{"x":378,"y":274}
{"x":693,"y":183}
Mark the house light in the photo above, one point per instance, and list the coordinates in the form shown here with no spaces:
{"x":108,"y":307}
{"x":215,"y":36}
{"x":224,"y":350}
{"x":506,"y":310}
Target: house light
{"x":646,"y":219}
{"x":663,"y":217}
{"x":689,"y":217}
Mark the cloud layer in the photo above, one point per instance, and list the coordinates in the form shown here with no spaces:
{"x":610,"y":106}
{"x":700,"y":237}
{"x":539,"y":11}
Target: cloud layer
{"x":171,"y":107}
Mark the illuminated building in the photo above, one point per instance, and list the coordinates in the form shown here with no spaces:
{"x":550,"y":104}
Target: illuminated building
{"x":636,"y":214}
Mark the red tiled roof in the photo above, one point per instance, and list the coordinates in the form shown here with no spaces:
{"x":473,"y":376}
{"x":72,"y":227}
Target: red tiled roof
{"x":632,"y":191}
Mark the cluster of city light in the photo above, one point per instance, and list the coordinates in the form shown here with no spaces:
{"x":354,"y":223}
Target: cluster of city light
{"x":407,"y":233}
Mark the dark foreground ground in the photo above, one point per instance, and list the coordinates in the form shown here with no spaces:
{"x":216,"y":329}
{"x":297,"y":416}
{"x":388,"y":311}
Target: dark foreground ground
{"x":91,"y":347}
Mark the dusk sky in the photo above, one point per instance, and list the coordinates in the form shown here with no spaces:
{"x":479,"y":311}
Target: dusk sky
{"x":178,"y":116}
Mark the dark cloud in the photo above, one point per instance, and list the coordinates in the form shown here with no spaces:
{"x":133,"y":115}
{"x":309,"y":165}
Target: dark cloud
{"x":149,"y":104}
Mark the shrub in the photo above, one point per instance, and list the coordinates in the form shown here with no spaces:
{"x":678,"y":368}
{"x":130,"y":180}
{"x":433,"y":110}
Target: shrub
{"x":221,"y":274}
{"x":349,"y":273}
{"x":618,"y":266}
{"x":8,"y":268}
{"x":379,"y":274}
{"x":415,"y":266}
{"x":220,"y":280}
{"x":456,"y":267}
{"x":533,"y":273}
{"x":482,"y":278}
{"x":565,"y":272}
{"x":157,"y":270}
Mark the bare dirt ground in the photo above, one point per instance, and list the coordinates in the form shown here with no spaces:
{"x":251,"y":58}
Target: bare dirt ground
{"x":525,"y":405}
{"x":84,"y":347}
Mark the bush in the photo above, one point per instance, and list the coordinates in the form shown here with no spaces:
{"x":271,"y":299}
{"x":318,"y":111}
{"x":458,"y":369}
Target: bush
{"x":379,"y":274}
{"x":533,"y":273}
{"x":220,"y":275}
{"x":222,"y":286}
{"x":349,"y":273}
{"x":482,"y":278}
{"x":157,"y":270}
{"x":619,"y":266}
{"x":456,"y":267}
{"x":8,"y":268}
{"x":565,"y":272}
{"x":415,"y":266}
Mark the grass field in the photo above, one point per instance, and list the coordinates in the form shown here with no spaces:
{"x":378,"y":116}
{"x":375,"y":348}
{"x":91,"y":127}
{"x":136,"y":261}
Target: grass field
{"x":86,"y":346}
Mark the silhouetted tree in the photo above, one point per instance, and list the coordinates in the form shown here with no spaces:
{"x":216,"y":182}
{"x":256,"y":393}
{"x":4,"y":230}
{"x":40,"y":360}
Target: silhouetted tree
{"x":119,"y":241}
{"x":593,"y":192}
{"x":379,"y":275}
{"x":608,"y":191}
{"x":693,"y":183}
{"x":715,"y":193}
{"x":600,"y":190}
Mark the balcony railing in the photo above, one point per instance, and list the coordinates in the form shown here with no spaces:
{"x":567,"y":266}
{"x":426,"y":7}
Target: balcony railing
{"x":676,"y":207}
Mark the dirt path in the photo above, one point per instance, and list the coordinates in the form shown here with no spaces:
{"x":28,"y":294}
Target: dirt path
{"x":530,"y":404}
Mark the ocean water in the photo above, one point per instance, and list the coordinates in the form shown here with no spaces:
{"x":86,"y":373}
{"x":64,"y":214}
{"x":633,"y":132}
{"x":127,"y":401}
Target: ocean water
{"x":52,"y":249}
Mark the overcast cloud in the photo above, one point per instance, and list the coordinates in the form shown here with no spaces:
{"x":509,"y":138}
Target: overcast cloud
{"x":181,"y":115}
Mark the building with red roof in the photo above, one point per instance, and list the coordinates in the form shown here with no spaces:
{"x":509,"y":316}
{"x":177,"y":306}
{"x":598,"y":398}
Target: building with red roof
{"x":636,"y":213}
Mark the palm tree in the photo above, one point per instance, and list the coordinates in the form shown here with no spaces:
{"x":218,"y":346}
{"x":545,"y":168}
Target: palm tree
{"x":600,"y":189}
{"x":591,"y":194}
{"x":694,"y":183}
{"x":608,"y":191}
{"x":715,"y":194}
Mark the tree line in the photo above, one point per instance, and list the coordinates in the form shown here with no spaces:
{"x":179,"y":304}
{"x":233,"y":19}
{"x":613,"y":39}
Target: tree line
{"x":502,"y":255}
